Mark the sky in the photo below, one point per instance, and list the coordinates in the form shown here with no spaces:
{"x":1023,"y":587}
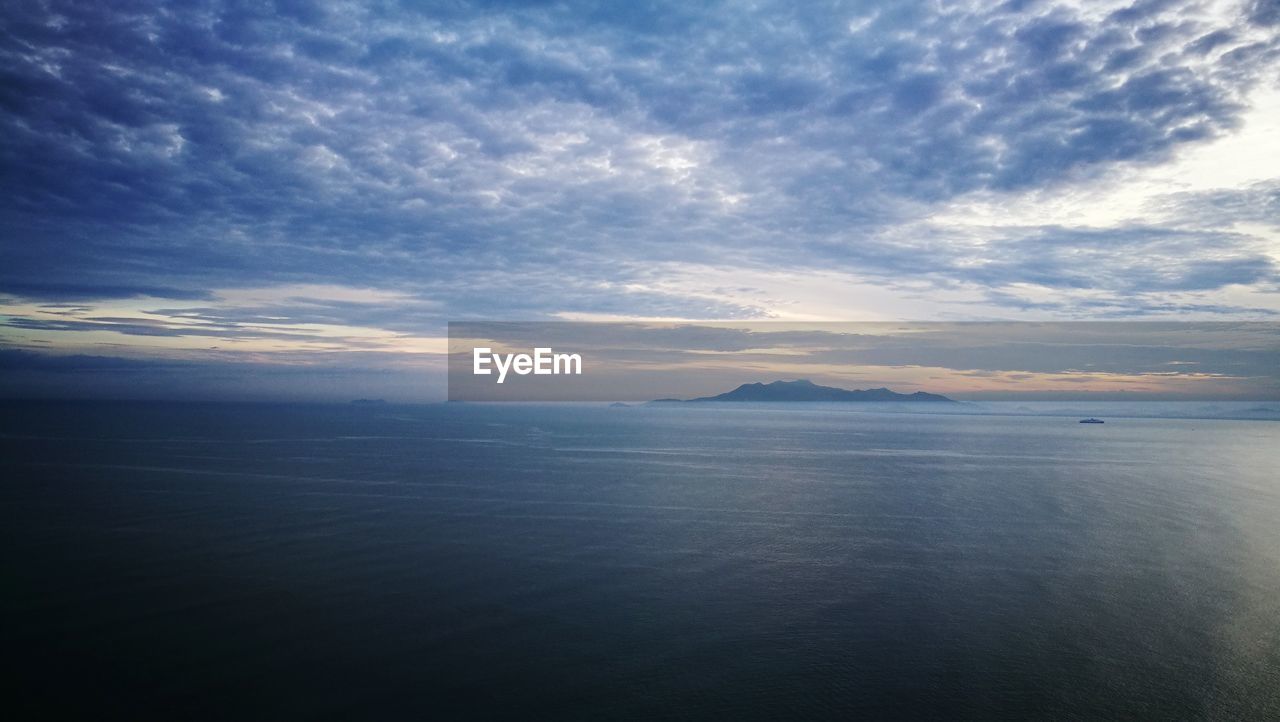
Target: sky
{"x":973,"y":361}
{"x":292,"y":199}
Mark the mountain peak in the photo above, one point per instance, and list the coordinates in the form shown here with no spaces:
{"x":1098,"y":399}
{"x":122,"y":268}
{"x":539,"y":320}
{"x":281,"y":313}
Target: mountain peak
{"x":804,"y":390}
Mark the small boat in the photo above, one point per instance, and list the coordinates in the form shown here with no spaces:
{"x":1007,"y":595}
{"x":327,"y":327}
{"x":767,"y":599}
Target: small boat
{"x":1092,"y":421}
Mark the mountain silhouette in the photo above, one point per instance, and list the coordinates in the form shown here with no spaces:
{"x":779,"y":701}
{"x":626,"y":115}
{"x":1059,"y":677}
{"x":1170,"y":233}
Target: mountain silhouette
{"x":805,"y":390}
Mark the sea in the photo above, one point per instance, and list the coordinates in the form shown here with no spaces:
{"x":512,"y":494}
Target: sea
{"x":731,"y":561}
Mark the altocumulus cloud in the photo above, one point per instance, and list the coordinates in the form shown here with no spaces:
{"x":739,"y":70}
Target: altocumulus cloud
{"x":512,"y":160}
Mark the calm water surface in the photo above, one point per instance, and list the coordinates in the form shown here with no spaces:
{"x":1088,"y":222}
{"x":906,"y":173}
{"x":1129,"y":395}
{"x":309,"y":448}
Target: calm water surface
{"x":272,"y":562}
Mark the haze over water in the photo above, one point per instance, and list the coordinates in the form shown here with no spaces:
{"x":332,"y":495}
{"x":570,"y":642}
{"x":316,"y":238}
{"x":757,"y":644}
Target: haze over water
{"x":588,"y":562}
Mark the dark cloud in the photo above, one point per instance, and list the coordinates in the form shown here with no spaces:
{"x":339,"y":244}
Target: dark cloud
{"x":27,"y":374}
{"x":1264,"y":12}
{"x":1125,"y":260}
{"x":1258,"y":203}
{"x":12,"y":360}
{"x":1245,"y":349}
{"x":459,"y":152}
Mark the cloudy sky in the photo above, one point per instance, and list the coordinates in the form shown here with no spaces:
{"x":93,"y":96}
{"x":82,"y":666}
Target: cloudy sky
{"x":295,"y":195}
{"x":642,"y":361}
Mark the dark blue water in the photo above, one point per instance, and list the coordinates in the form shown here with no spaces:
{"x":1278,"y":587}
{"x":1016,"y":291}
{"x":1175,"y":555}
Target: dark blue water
{"x":273,"y":562}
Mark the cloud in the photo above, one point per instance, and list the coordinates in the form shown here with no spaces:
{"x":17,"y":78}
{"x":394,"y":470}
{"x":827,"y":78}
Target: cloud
{"x":1128,"y":260}
{"x":639,"y":361}
{"x":530,"y":160}
{"x":1257,"y":203}
{"x":29,"y":374}
{"x":12,"y":361}
{"x":1250,"y":349}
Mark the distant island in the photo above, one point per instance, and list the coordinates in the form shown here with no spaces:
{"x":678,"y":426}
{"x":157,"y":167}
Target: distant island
{"x":805,"y":390}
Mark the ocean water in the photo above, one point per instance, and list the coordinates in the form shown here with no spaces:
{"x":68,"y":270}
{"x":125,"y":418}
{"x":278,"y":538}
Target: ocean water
{"x":459,"y":561}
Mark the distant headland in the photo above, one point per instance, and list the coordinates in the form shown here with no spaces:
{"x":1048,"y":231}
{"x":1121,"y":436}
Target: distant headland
{"x":804,"y":390}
